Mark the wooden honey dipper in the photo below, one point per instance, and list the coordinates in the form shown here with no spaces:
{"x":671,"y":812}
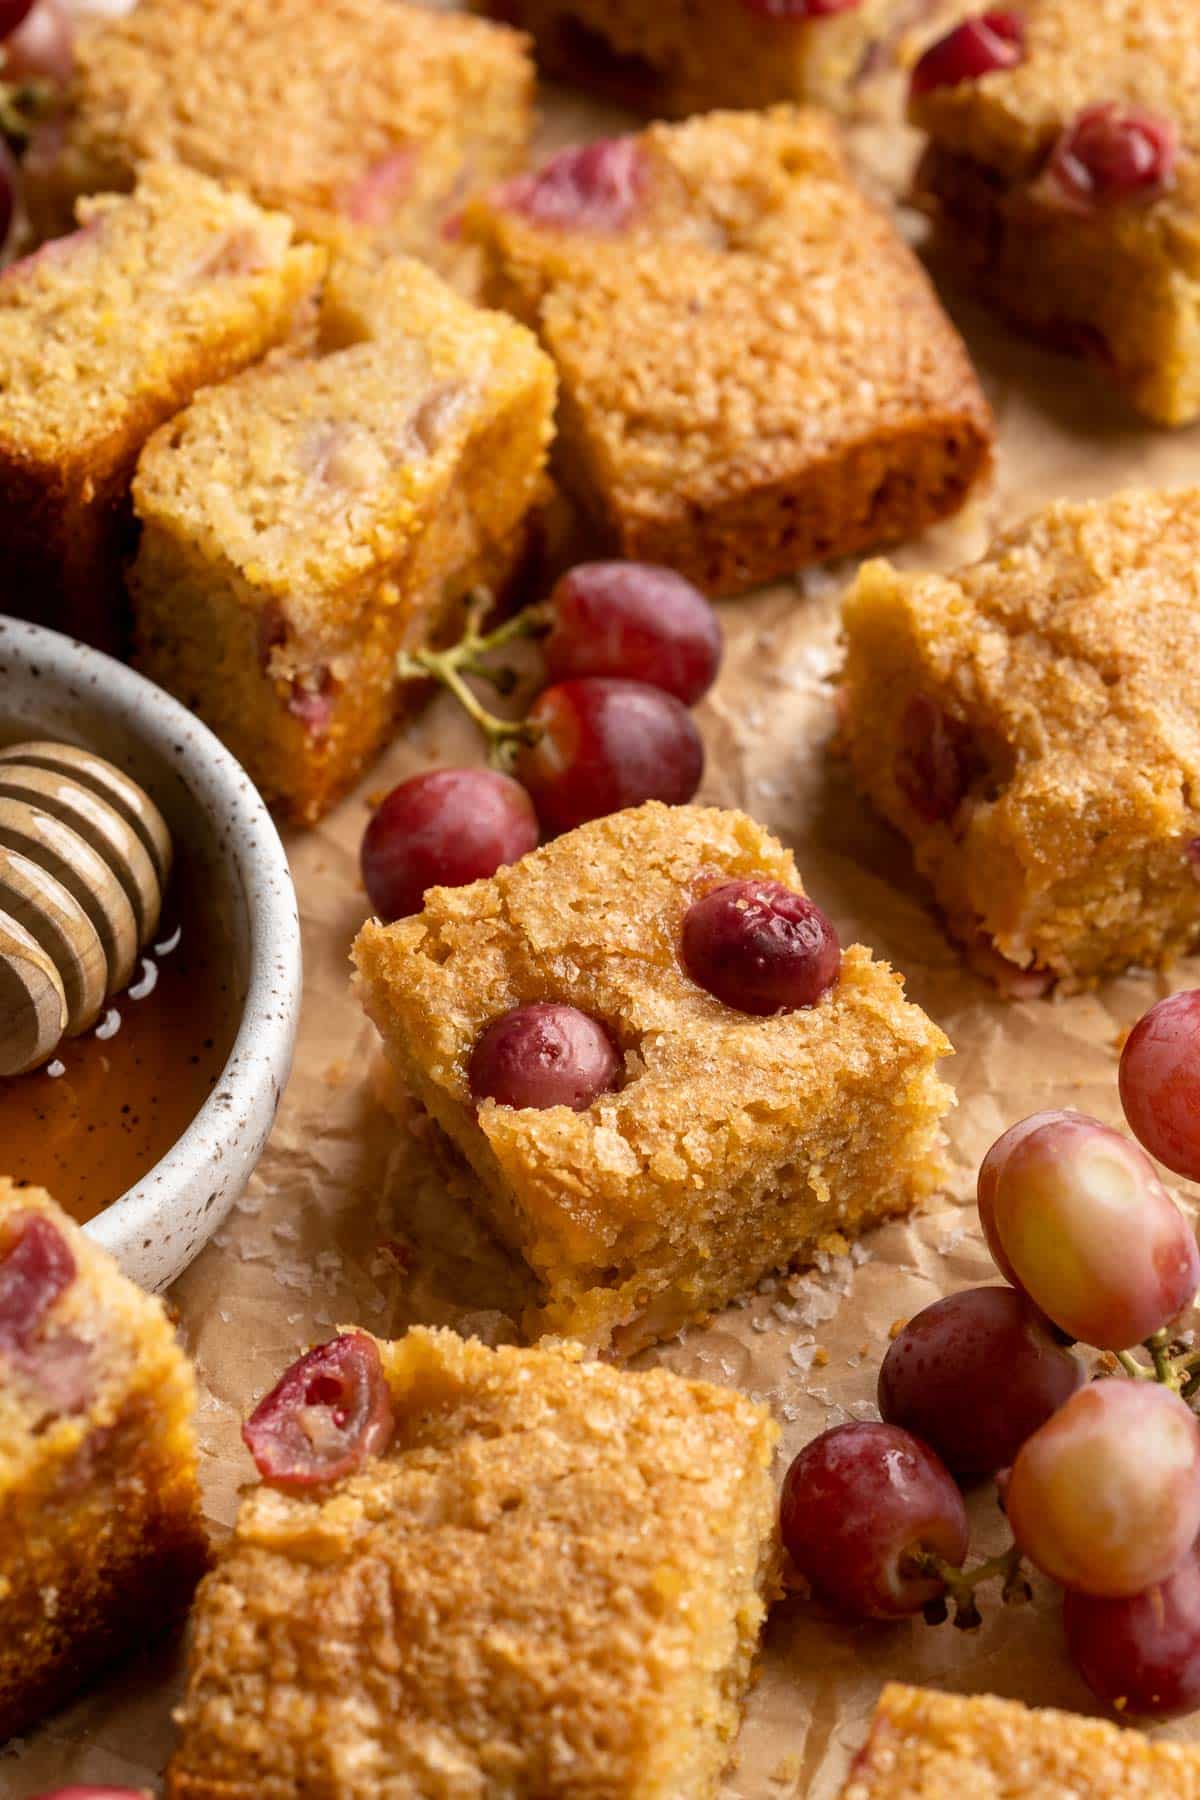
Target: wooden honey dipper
{"x":84,"y":860}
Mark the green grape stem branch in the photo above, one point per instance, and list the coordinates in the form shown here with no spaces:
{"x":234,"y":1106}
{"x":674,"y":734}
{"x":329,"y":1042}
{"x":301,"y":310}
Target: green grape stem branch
{"x":451,"y":666}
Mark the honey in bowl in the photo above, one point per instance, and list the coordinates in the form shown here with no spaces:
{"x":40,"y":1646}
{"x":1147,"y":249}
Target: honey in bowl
{"x":114,"y":1100}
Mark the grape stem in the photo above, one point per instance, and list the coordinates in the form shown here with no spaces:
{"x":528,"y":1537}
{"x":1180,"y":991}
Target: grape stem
{"x":449,"y":666}
{"x":960,"y":1584}
{"x":1133,"y":1367}
{"x":1165,"y":1370}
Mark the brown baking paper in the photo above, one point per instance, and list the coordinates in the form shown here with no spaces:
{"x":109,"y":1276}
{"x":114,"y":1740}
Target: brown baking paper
{"x":353,"y":1217}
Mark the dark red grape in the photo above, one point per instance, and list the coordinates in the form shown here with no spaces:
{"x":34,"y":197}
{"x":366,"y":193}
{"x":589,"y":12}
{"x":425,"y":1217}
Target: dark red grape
{"x":856,"y":1502}
{"x":1141,"y":1655}
{"x":933,"y":761}
{"x":36,"y":1266}
{"x":42,"y":48}
{"x":760,"y":947}
{"x":544,"y":1055}
{"x":974,"y":1375}
{"x":1105,"y":1498}
{"x":604,"y":745}
{"x":12,"y":14}
{"x":1112,"y":153}
{"x":1160,"y":1082}
{"x":993,"y":40}
{"x":636,"y":621}
{"x":327,"y":1415}
{"x":443,"y":829}
{"x":1076,"y":1216}
{"x":593,"y":187}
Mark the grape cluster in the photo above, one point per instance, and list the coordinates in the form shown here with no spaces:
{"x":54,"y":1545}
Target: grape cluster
{"x":628,"y":649}
{"x":1100,"y":1477}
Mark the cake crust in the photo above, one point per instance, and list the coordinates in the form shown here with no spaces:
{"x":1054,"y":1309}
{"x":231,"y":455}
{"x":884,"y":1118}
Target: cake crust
{"x":931,"y":1746}
{"x":750,"y":416}
{"x":550,"y":1585}
{"x":1028,"y":724}
{"x":101,"y":1538}
{"x":734,"y":1146}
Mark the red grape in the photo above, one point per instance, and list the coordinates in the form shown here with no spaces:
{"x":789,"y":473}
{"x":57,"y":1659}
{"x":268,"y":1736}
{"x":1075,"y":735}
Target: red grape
{"x":326,"y":1416}
{"x":1141,"y":1655}
{"x":593,"y":187}
{"x":637,"y":621}
{"x":855,"y":1503}
{"x":760,"y":947}
{"x":43,"y":46}
{"x":12,"y":14}
{"x":1160,"y":1082}
{"x":933,"y":763}
{"x":1076,"y":1216}
{"x":974,"y":1375}
{"x":993,"y":40}
{"x":604,"y":745}
{"x":1110,"y":154}
{"x":796,"y":10}
{"x":443,"y":829}
{"x":544,"y":1055}
{"x":36,"y":1266}
{"x":1105,"y":1498}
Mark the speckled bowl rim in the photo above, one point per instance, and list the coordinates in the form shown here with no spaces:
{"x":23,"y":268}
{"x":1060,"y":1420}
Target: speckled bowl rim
{"x":228,"y":1134}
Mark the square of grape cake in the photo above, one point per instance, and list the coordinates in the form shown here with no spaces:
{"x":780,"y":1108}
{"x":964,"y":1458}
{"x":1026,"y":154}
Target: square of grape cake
{"x":549,"y":1584}
{"x":731,"y":1144}
{"x":1029,"y":724}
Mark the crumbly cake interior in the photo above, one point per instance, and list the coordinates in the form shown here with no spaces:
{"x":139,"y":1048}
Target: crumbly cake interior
{"x":1121,"y":283}
{"x":932,"y":1746}
{"x":344,"y":114}
{"x":550,"y":1585}
{"x":750,"y":415}
{"x":1062,"y":660}
{"x":303,"y":524}
{"x":734,"y":1146}
{"x":106,"y":332}
{"x":101,"y":1539}
{"x":673,"y":59}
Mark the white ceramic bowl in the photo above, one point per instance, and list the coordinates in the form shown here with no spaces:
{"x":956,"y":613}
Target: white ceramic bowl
{"x":51,"y":686}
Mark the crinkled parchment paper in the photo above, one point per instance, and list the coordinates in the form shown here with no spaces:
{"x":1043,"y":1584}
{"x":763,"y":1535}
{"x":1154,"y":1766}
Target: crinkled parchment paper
{"x":351,"y":1217}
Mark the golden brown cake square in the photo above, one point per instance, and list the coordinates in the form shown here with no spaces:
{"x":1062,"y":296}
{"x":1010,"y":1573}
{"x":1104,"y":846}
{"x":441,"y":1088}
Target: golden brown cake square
{"x":1067,"y":187}
{"x":101,"y":1540}
{"x":678,"y":57}
{"x":550,"y":1585}
{"x":349,"y":115}
{"x":1029,"y":724}
{"x":103,"y":335}
{"x":735,"y":1145}
{"x":931,"y":1746}
{"x":304,"y":524}
{"x":756,"y":373}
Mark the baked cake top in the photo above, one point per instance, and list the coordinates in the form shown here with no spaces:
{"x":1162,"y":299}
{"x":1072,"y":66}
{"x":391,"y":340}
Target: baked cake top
{"x":73,"y":1330}
{"x":305,"y":475}
{"x":1069,"y":644}
{"x":975,"y":1747}
{"x":297,"y":102}
{"x":1080,"y":54}
{"x":539,"y":1583}
{"x":134,"y":305}
{"x":711,"y":1098}
{"x":750,"y":276}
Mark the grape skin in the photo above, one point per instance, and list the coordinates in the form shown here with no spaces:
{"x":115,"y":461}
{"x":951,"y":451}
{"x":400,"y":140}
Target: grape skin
{"x":544,"y":1055}
{"x":605,"y":744}
{"x":760,"y":947}
{"x":1076,"y":1216}
{"x":855,"y":1501}
{"x":974,"y":1375}
{"x":1141,"y":1655}
{"x":1160,"y":1082}
{"x":635,"y":621}
{"x":1105,"y":1498}
{"x":443,"y":829}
